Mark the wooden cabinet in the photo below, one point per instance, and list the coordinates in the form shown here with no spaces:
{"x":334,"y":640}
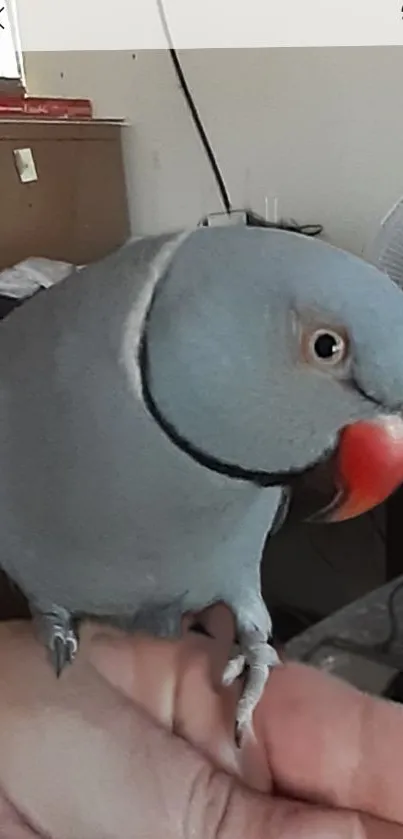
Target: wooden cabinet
{"x":77,"y":209}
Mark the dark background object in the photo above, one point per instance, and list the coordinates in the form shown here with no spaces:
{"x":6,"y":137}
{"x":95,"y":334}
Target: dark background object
{"x":8,"y":304}
{"x":394,"y":534}
{"x":13,"y":604}
{"x":310,"y":571}
{"x":394,"y":690}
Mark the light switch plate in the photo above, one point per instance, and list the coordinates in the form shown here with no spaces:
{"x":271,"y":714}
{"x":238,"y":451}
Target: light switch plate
{"x":24,"y":161}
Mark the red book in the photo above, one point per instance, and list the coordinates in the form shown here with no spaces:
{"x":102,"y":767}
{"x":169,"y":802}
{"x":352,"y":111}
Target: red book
{"x":45,"y":107}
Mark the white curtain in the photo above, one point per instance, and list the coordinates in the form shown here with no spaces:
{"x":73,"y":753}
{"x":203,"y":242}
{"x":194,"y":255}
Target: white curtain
{"x":10,"y":56}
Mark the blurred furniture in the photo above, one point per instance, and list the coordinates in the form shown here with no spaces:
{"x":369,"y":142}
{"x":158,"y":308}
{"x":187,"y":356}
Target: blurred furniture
{"x":13,"y":605}
{"x":363,"y":642}
{"x":77,"y":209}
{"x":394,"y":555}
{"x":311,"y":571}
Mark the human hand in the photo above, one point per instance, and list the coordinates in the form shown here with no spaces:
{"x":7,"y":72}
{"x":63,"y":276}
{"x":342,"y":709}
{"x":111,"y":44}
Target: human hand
{"x":95,"y":756}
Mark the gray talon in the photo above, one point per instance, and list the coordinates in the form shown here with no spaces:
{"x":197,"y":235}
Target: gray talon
{"x":72,"y":647}
{"x":59,"y":636}
{"x":58,"y":654}
{"x":63,"y":647}
{"x":257,"y":658}
{"x":238,"y":735}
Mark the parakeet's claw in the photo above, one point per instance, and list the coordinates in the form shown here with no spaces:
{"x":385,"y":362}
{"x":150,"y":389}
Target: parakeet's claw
{"x":63,"y":650}
{"x":256,"y":659}
{"x":234,"y":669}
{"x":238,"y":735}
{"x":63,"y":647}
{"x":60,"y":637}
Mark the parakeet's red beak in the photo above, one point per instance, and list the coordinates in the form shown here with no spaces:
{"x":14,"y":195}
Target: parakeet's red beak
{"x":369,"y":467}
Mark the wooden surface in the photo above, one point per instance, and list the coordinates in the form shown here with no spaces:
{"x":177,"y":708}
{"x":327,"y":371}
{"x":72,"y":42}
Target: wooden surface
{"x":77,"y":210}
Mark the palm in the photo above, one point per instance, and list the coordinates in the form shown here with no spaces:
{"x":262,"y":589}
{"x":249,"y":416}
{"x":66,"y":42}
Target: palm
{"x":80,"y":759}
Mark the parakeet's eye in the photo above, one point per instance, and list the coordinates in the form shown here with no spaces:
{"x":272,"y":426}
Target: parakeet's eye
{"x":326,"y":347}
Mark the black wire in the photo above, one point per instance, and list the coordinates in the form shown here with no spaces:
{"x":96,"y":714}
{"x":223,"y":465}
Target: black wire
{"x":195,"y":114}
{"x":255,"y":220}
{"x":252,"y":219}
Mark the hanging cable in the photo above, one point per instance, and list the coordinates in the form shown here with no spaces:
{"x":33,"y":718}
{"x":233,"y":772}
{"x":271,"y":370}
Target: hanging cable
{"x":194,"y":112}
{"x":252,"y":219}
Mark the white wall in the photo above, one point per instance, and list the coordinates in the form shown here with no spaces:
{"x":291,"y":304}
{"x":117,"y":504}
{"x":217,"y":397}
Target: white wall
{"x":320,"y":128}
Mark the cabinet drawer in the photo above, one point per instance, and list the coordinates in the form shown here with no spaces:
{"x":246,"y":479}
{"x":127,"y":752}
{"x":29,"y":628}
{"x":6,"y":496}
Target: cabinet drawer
{"x":77,"y":208}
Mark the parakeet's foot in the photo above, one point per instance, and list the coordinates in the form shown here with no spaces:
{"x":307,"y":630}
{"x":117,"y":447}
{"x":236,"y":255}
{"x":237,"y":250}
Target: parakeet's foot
{"x":60,"y":637}
{"x":256,"y":657}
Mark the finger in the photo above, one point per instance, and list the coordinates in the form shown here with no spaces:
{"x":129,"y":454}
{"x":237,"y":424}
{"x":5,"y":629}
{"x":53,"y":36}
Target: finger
{"x":180,"y":686}
{"x":144,"y":672}
{"x":12,"y":824}
{"x":147,"y":670}
{"x":328,"y":742}
{"x":218,"y":622}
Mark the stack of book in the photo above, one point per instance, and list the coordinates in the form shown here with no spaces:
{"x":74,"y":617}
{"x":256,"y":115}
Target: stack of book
{"x":22,"y":106}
